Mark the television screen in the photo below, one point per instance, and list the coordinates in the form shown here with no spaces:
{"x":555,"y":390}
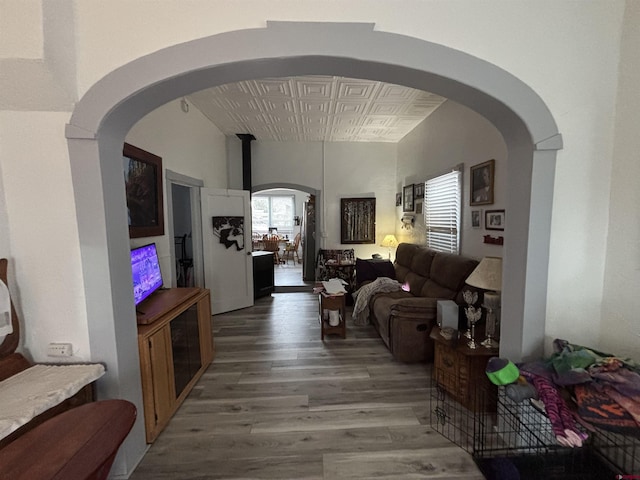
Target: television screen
{"x":145,"y":269}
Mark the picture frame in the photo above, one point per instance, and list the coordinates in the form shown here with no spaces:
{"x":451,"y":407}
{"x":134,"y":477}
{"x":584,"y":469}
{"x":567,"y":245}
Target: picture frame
{"x":494,"y":219}
{"x":482,"y":183}
{"x":408,"y":197}
{"x":419,"y":207}
{"x":230,"y":231}
{"x":358,"y":220}
{"x":476,"y":218}
{"x":418,"y":190}
{"x":143,"y":187}
{"x":398,"y":199}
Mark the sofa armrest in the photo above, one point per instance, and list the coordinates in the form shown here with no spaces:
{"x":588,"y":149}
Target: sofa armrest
{"x":414,"y":305}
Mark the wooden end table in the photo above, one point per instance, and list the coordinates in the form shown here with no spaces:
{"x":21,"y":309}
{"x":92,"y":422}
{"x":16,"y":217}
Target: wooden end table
{"x":460,"y":371}
{"x":332,"y":302}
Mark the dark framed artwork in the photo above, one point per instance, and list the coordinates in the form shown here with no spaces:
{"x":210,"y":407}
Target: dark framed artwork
{"x":418,"y":207}
{"x":407,"y":198}
{"x":494,"y":220}
{"x":476,"y":218}
{"x":143,"y":187}
{"x":358,"y":220}
{"x":482,"y":183}
{"x":230,"y":231}
{"x":418,"y":190}
{"x":398,"y":199}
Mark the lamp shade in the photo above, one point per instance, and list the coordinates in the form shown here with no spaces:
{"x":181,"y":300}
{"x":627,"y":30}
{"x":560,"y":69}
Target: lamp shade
{"x":487,"y":275}
{"x":389,"y":241}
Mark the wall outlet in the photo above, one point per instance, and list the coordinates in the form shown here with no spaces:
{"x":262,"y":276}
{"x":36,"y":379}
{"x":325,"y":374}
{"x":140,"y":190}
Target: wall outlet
{"x":60,"y":350}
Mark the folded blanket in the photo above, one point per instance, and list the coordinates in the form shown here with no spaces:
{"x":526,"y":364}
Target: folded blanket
{"x":360,"y":314}
{"x":31,"y":392}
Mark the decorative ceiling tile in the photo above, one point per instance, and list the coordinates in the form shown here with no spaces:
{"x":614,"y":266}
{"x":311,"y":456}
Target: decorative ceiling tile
{"x":316,"y":108}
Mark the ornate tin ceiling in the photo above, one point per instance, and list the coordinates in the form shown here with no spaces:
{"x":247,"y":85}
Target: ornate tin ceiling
{"x":316,"y":108}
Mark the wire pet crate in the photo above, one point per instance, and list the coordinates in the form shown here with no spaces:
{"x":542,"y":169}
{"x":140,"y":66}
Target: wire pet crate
{"x":501,"y":434}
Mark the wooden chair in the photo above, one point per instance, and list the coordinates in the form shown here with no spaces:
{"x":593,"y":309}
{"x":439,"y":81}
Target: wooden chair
{"x":272,"y":244}
{"x":291,"y":251}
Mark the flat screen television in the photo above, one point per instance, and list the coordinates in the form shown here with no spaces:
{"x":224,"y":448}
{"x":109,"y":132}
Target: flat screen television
{"x":145,"y":269}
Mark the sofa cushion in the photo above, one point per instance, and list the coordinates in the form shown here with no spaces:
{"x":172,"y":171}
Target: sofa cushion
{"x":401,"y":272}
{"x":405,"y":253}
{"x":450,"y":270}
{"x":415,"y":282}
{"x":434,"y":290}
{"x":422,"y":260}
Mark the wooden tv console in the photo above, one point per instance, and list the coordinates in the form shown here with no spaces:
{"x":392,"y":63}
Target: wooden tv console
{"x":175,"y":341}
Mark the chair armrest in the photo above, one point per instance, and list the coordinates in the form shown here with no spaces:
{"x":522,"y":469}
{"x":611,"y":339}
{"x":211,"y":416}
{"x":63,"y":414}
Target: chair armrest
{"x":414,"y":305}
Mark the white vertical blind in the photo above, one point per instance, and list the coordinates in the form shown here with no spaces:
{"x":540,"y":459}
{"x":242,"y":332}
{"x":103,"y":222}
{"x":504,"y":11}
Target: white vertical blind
{"x":442,"y":198}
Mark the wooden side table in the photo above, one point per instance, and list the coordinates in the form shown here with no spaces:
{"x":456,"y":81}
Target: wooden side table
{"x":460,"y":371}
{"x":332,"y":302}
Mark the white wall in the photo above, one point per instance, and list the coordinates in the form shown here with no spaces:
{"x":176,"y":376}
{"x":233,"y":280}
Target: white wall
{"x":620,"y":327}
{"x":5,"y":250}
{"x":44,"y":248}
{"x":338,"y":170}
{"x":189,"y":144}
{"x":454,"y":135}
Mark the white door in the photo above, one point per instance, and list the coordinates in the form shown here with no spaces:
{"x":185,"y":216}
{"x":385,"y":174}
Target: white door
{"x":226,"y":232}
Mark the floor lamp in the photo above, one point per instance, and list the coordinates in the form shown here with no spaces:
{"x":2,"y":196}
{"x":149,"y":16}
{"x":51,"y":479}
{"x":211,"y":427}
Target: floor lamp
{"x":488,"y":276}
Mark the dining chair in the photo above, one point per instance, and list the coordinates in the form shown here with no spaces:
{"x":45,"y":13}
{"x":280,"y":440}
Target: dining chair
{"x":272,"y":244}
{"x":291,"y":250}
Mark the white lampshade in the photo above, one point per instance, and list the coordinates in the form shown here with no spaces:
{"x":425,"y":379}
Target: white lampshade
{"x":389,"y":241}
{"x":487,"y":275}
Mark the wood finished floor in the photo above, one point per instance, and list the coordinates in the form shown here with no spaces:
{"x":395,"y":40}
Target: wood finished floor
{"x":277,"y":403}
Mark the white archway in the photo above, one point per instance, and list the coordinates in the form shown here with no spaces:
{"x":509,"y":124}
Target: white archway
{"x":302,"y":188}
{"x":109,"y":109}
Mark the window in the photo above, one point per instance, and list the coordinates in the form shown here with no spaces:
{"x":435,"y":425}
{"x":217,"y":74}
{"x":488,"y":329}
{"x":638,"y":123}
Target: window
{"x":272,"y":211}
{"x":442,"y":211}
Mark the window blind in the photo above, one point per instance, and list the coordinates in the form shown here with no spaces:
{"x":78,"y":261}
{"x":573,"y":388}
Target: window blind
{"x":442,"y":197}
{"x":272,"y":211}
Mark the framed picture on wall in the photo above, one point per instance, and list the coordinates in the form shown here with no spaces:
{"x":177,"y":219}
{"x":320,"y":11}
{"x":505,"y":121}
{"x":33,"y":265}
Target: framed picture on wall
{"x":418,"y":207}
{"x":143,"y":187}
{"x":418,"y":190}
{"x":494,"y":220}
{"x":357,"y":220}
{"x":476,"y":218}
{"x":482,"y":183}
{"x":407,"y":198}
{"x":398,"y":199}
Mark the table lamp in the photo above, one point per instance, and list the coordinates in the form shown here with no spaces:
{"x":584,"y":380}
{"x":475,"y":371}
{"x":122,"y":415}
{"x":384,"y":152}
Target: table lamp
{"x":488,"y":276}
{"x":390,"y":242}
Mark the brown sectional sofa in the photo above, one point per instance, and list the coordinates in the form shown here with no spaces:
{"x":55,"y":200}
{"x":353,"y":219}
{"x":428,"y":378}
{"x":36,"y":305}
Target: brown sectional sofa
{"x":404,"y":319}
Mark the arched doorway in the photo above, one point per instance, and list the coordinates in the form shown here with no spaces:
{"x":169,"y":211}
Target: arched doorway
{"x":308,"y":230}
{"x":102,"y":118}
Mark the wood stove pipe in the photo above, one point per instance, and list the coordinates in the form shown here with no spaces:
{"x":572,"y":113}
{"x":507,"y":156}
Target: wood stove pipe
{"x":246,"y":159}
